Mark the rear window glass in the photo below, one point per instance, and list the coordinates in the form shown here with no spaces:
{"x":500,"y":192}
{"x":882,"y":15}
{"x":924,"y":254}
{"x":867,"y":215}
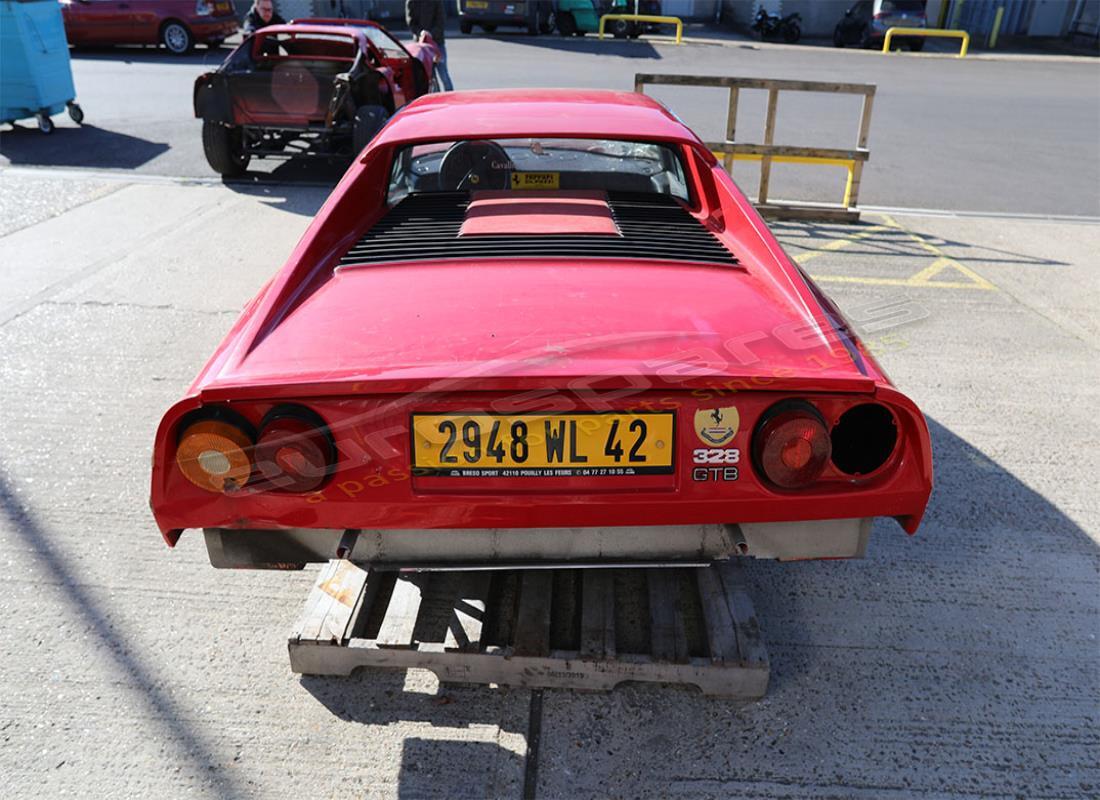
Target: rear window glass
{"x":317,"y":46}
{"x":542,"y":163}
{"x":384,"y":42}
{"x":902,"y":6}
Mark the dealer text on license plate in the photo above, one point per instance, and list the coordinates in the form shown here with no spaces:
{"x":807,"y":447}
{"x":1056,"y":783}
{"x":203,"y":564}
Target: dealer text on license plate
{"x":543,"y":445}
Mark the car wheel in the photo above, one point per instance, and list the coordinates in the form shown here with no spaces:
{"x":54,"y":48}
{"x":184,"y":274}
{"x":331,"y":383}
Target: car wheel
{"x":838,"y":37}
{"x":224,"y":149}
{"x":489,"y":27}
{"x":176,"y":38}
{"x":865,"y":38}
{"x":548,"y":23}
{"x":466,"y":27}
{"x":76,"y":113}
{"x":620,"y":28}
{"x":567,"y":26}
{"x":368,"y":121}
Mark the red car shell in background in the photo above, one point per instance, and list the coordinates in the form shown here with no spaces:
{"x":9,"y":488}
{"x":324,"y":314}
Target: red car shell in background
{"x":734,"y":355}
{"x":177,"y":24}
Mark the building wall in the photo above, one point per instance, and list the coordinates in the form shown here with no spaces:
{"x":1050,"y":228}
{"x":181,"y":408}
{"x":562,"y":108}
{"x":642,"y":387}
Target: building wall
{"x":819,"y":17}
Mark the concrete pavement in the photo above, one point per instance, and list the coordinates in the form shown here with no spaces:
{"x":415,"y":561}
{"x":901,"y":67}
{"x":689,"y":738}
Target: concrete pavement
{"x":959,"y":663}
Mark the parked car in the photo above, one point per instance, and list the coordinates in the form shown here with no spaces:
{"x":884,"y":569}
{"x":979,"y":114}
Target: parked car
{"x":865,"y":23}
{"x":532,"y":327}
{"x":578,"y":17}
{"x":537,"y":16}
{"x":176,"y":24}
{"x":307,"y":89}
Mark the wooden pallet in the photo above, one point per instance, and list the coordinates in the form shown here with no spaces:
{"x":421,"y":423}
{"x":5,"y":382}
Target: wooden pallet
{"x":562,"y":628}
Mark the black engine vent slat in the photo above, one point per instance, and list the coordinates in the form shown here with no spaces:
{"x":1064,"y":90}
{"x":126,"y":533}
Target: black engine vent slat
{"x":426,"y":227}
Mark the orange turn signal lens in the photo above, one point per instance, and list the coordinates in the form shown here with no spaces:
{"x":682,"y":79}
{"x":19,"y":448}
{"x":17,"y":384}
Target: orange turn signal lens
{"x":214,"y":455}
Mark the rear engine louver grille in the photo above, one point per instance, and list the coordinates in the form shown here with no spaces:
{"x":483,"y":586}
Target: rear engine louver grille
{"x":425,"y":227}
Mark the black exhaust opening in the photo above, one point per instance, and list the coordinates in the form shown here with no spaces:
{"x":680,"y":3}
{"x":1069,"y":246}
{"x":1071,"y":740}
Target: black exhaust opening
{"x":863,"y":439}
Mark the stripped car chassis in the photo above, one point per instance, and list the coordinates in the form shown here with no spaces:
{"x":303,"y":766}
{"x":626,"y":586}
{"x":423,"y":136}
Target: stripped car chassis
{"x":588,"y":629}
{"x":288,"y":143}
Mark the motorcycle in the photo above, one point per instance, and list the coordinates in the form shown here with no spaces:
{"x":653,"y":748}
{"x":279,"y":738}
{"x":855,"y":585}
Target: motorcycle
{"x":772,"y":26}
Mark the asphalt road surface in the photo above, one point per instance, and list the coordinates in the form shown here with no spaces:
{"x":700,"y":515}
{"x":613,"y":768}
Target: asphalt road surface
{"x":960,"y":663}
{"x":984,"y":135}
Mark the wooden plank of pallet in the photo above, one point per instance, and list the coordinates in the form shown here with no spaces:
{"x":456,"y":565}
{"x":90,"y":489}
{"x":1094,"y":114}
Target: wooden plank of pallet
{"x":333,"y":600}
{"x":668,"y":640}
{"x":400,"y":620}
{"x":597,"y":614}
{"x":719,"y":622}
{"x":558,"y":669}
{"x":750,"y":644}
{"x":533,"y":618}
{"x":468,"y":611}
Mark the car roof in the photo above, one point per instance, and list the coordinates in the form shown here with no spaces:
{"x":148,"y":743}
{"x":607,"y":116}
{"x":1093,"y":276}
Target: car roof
{"x":349,"y":31}
{"x":339,"y":22}
{"x":561,"y":113}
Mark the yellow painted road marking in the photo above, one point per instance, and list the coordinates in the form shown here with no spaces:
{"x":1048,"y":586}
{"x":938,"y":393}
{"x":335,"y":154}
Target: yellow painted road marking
{"x":925,"y":278}
{"x":839,"y":244}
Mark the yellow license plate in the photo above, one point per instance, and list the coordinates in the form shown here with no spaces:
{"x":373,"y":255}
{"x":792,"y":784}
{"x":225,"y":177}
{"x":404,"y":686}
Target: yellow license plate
{"x":543,"y":445}
{"x":476,"y":4}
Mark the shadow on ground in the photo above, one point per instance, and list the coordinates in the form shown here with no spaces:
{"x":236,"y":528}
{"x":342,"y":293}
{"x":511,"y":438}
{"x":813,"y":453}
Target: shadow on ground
{"x":201,"y":56}
{"x":623,"y":48}
{"x":188,"y":740}
{"x":966,"y":647}
{"x":469,"y":769}
{"x":86,"y":146}
{"x":869,"y":238}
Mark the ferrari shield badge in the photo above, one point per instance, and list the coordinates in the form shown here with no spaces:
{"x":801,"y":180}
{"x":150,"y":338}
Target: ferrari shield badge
{"x":716,"y":426}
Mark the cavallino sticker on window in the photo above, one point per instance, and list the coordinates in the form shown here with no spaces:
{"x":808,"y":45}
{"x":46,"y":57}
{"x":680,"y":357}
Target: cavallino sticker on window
{"x":535,"y":180}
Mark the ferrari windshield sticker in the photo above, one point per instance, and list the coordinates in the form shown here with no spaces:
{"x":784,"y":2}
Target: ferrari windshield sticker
{"x":716,"y":426}
{"x":535,"y":180}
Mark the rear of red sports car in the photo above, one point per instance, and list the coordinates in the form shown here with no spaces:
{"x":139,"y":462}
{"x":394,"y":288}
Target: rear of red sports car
{"x":534,"y":328}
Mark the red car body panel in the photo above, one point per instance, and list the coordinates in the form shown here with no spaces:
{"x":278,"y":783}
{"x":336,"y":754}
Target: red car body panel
{"x":139,"y":21}
{"x":427,"y":53}
{"x":366,"y":346}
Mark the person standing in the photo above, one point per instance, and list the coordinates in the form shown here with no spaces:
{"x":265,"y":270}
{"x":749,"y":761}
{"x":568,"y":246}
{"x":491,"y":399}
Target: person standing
{"x":428,"y":16}
{"x":261,"y":15}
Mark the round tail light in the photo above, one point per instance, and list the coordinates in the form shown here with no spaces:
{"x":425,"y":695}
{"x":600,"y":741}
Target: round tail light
{"x":791,"y":445}
{"x":294,"y":452}
{"x":214,"y":455}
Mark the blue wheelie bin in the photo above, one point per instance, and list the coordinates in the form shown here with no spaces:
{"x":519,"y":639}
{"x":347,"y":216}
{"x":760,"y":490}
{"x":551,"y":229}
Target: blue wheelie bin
{"x":36,"y":78}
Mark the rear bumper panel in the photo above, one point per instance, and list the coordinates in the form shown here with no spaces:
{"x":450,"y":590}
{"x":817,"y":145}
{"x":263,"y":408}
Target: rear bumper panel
{"x":498,"y":547}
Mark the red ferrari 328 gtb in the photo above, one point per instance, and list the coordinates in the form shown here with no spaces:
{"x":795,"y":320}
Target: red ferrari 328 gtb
{"x":538,"y":327}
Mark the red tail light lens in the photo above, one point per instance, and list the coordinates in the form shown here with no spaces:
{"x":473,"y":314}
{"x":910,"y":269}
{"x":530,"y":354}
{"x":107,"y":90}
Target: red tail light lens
{"x":791,"y":445}
{"x":294,"y":452}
